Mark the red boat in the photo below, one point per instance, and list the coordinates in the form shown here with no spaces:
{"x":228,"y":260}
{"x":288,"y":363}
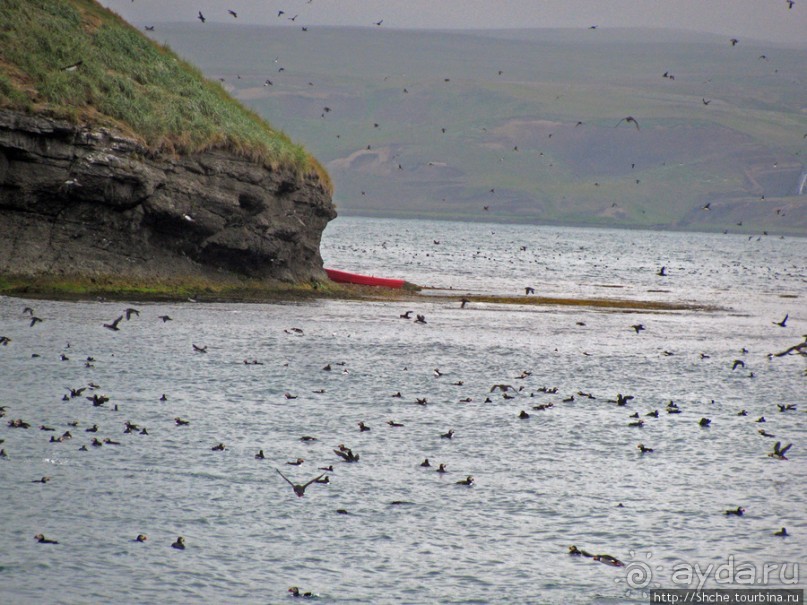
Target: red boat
{"x":345,"y":277}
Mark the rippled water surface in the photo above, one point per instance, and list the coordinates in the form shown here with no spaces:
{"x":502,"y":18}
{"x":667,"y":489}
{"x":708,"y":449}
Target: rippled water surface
{"x":541,"y":484}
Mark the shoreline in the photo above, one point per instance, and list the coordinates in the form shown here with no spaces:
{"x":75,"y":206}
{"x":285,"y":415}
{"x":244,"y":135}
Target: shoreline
{"x":246,"y":291}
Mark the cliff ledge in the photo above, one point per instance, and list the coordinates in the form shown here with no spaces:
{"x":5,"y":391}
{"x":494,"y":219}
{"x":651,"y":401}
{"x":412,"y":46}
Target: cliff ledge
{"x":89,"y":202}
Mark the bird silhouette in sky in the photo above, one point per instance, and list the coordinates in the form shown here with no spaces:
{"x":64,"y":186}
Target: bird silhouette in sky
{"x":630,"y":120}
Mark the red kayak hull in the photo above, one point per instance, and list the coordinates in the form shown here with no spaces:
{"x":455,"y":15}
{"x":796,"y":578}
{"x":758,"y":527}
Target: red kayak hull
{"x":345,"y":277}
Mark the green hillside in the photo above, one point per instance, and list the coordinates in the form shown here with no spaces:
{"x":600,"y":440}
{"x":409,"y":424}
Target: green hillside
{"x":427,"y":123}
{"x":74,"y":59}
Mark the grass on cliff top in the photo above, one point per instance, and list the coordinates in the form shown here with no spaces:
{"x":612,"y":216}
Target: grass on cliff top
{"x":126,"y":81}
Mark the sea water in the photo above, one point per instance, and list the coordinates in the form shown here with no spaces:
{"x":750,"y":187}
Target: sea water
{"x":569,"y":474}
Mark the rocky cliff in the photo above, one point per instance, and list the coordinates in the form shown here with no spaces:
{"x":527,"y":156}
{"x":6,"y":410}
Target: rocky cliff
{"x":92,"y":203}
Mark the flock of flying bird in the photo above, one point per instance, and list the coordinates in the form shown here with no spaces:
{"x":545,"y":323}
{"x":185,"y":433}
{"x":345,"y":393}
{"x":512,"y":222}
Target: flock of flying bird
{"x":506,"y":390}
{"x":629,"y":119}
{"x":779,"y":451}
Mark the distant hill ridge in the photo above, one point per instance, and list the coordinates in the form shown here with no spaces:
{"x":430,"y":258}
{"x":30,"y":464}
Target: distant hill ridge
{"x":443,"y":124}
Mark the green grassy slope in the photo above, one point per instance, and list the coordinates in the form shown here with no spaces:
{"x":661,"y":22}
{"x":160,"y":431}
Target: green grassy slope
{"x":126,"y":81}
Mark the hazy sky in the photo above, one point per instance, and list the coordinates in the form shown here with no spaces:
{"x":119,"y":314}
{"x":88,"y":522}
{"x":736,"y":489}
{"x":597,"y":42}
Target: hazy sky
{"x":767,"y":20}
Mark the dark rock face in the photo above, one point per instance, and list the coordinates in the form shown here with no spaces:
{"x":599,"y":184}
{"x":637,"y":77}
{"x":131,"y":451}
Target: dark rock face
{"x":88,"y":202}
